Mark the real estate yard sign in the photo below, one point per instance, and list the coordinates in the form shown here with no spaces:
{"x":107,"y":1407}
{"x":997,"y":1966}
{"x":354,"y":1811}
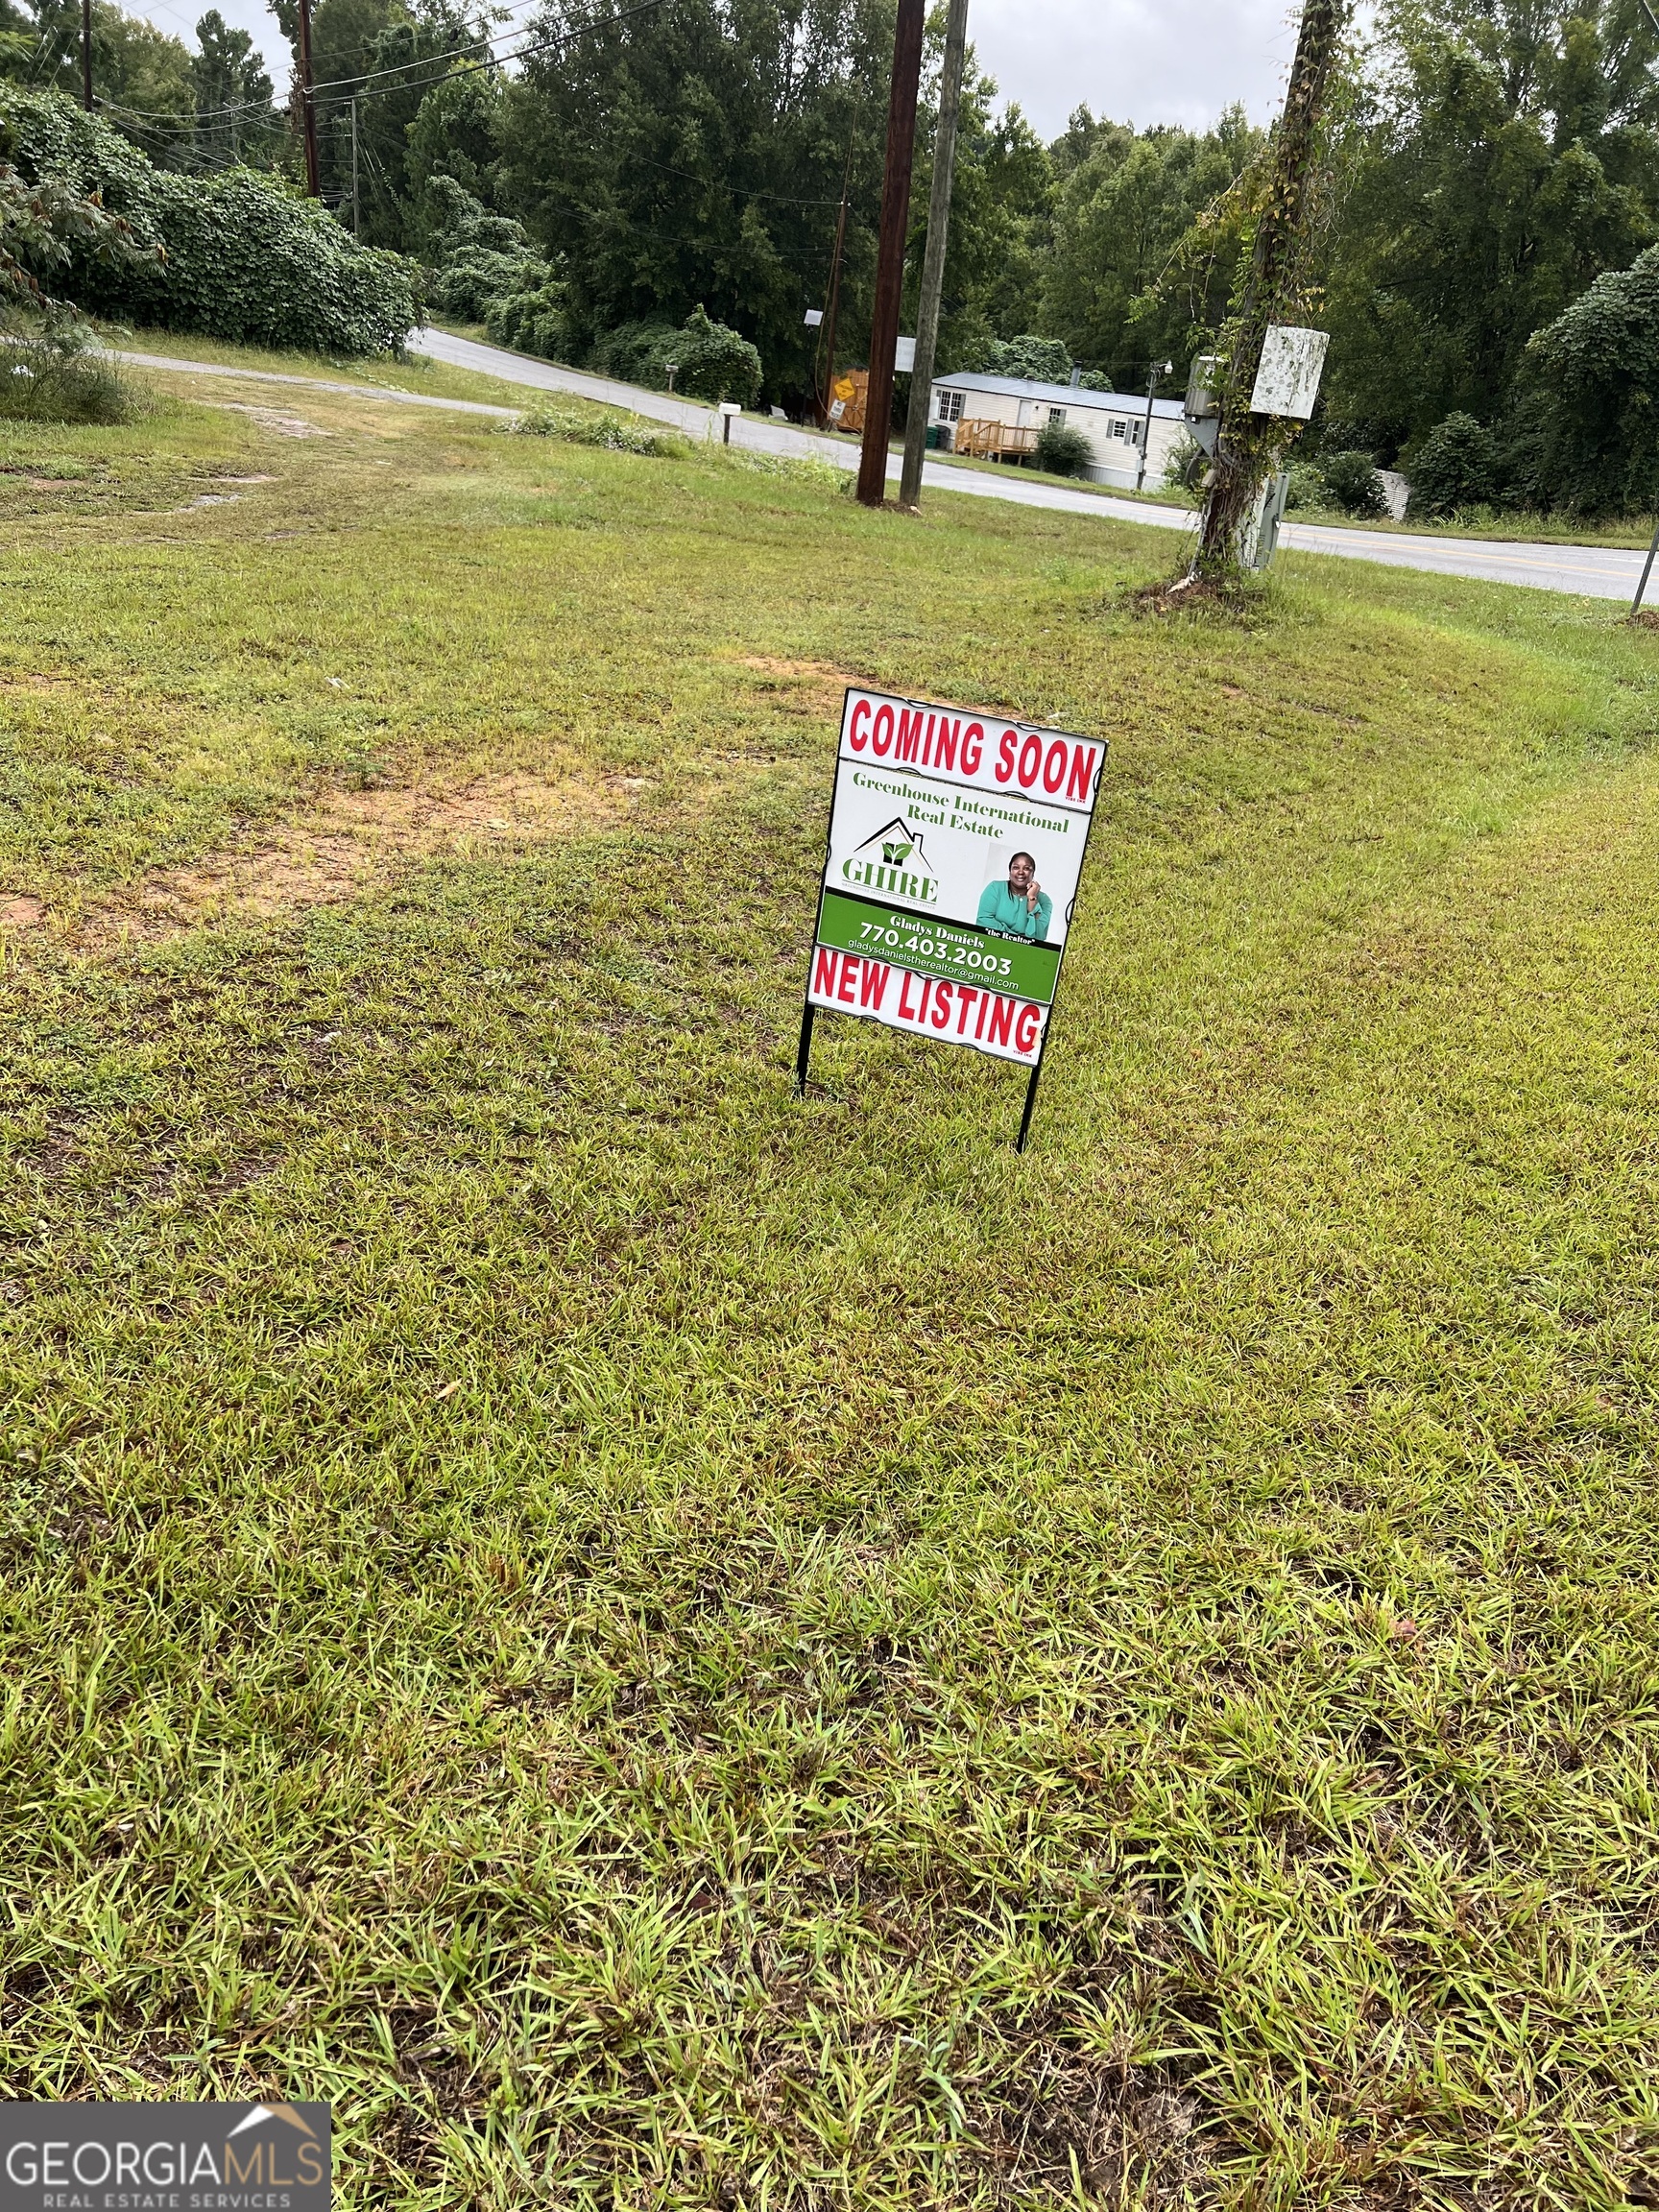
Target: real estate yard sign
{"x":956,"y":840}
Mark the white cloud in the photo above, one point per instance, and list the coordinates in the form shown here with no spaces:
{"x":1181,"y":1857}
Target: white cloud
{"x":1137,"y":61}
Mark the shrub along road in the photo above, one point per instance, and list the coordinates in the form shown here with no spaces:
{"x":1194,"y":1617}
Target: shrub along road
{"x":659,"y":1644}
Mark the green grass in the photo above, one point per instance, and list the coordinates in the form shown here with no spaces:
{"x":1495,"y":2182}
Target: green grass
{"x":661,"y":1645}
{"x":415,"y":372}
{"x":1631,"y":532}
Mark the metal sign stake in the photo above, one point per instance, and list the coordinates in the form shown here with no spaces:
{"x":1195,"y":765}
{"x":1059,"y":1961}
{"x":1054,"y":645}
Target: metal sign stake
{"x":1647,"y":571}
{"x":1031,"y":1095}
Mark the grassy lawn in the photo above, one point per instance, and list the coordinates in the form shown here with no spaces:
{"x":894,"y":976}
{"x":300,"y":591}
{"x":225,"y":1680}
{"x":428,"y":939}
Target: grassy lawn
{"x":664,"y":1646}
{"x":415,"y":372}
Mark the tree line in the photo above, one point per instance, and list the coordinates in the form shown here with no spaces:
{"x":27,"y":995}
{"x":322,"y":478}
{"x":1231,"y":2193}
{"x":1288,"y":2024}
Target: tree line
{"x":1489,"y":206}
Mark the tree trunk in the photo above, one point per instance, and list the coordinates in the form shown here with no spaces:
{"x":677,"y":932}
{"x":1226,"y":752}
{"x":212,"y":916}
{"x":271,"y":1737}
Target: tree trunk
{"x":1247,"y":445}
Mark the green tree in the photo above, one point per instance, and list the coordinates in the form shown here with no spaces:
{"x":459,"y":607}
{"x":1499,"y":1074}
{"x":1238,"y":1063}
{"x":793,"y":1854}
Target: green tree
{"x":139,"y":74}
{"x":1002,"y":217}
{"x":1135,"y":275}
{"x":1585,"y":433}
{"x":1497,"y":158}
{"x":456,"y":133}
{"x":694,"y":155}
{"x":235,"y":120}
{"x":387,"y":57}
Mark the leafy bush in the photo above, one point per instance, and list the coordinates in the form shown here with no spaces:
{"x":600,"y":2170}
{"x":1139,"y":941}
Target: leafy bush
{"x":474,"y":277}
{"x":1063,"y":450}
{"x":711,"y":361}
{"x":1587,"y":420}
{"x":534,"y":322}
{"x":619,"y":433}
{"x":236,"y":255}
{"x":1185,"y":464}
{"x":1042,"y":360}
{"x":1352,"y":483}
{"x":479,"y":260}
{"x":636,"y":352}
{"x":51,"y":367}
{"x":1306,"y":486}
{"x":1456,"y":465}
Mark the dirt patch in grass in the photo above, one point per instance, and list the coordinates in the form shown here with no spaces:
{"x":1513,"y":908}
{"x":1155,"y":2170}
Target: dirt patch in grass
{"x":813,"y":681}
{"x":272,"y":418}
{"x":21,"y":913}
{"x":348,"y":843}
{"x":1092,"y":2125}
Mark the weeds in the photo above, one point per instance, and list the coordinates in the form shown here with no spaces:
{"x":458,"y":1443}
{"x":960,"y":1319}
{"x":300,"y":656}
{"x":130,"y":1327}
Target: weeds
{"x":614,"y":433}
{"x":53,"y":370}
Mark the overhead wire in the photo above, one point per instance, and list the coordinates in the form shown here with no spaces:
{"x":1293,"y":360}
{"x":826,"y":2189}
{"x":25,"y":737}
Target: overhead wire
{"x":366,"y":87}
{"x":161,"y":127}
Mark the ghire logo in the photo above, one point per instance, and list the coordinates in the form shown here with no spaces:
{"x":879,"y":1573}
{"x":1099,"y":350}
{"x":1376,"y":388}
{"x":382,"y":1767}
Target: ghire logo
{"x":165,"y":2157}
{"x":898,"y":844}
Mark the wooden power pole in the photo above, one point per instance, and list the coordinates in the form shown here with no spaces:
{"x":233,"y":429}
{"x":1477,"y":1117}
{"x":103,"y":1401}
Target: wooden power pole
{"x":890,"y":253}
{"x":307,"y":105}
{"x":933,"y":261}
{"x":1247,"y":445}
{"x":823,"y":399}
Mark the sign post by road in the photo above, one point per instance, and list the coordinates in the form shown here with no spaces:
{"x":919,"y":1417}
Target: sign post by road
{"x":957,"y":841}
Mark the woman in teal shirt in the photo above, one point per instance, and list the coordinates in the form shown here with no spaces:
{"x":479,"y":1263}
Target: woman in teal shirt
{"x":1019,"y":907}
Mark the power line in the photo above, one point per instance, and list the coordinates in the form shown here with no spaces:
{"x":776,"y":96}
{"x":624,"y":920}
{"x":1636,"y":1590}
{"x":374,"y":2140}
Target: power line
{"x":542,"y":45}
{"x":366,"y":87}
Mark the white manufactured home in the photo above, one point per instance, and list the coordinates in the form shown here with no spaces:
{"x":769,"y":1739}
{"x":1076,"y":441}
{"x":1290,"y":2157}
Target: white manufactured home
{"x":999,"y":417}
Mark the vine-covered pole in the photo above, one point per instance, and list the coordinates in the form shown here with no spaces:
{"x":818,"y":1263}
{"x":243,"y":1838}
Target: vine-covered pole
{"x":1247,"y":444}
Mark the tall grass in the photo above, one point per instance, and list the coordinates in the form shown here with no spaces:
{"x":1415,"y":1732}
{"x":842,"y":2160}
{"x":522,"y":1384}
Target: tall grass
{"x":57,"y":372}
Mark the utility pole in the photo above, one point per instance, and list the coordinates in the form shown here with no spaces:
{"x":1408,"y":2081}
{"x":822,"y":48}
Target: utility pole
{"x":1246,"y":445}
{"x":934,"y":260}
{"x":86,"y":54}
{"x":1152,"y":376}
{"x":890,"y":253}
{"x":835,"y":288}
{"x":356,"y":219}
{"x":307,"y":105}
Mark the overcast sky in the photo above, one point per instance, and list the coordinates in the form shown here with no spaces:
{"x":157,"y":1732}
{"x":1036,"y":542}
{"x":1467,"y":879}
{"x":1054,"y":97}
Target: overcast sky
{"x":1137,"y":61}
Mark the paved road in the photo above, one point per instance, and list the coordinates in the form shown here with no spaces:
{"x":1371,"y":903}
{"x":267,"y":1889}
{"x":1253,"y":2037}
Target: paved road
{"x":1599,"y":573}
{"x":763,"y":435}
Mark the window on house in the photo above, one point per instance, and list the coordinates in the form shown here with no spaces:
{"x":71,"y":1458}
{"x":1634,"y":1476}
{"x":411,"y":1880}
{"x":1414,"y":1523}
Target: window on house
{"x":1118,"y":426}
{"x":1056,"y":416}
{"x":1135,"y":430}
{"x":949,"y":406}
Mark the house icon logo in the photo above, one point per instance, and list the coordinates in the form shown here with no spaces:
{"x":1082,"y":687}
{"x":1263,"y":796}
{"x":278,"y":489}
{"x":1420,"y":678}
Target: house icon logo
{"x":898,"y":842}
{"x":893,"y":862}
{"x":258,"y":2112}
